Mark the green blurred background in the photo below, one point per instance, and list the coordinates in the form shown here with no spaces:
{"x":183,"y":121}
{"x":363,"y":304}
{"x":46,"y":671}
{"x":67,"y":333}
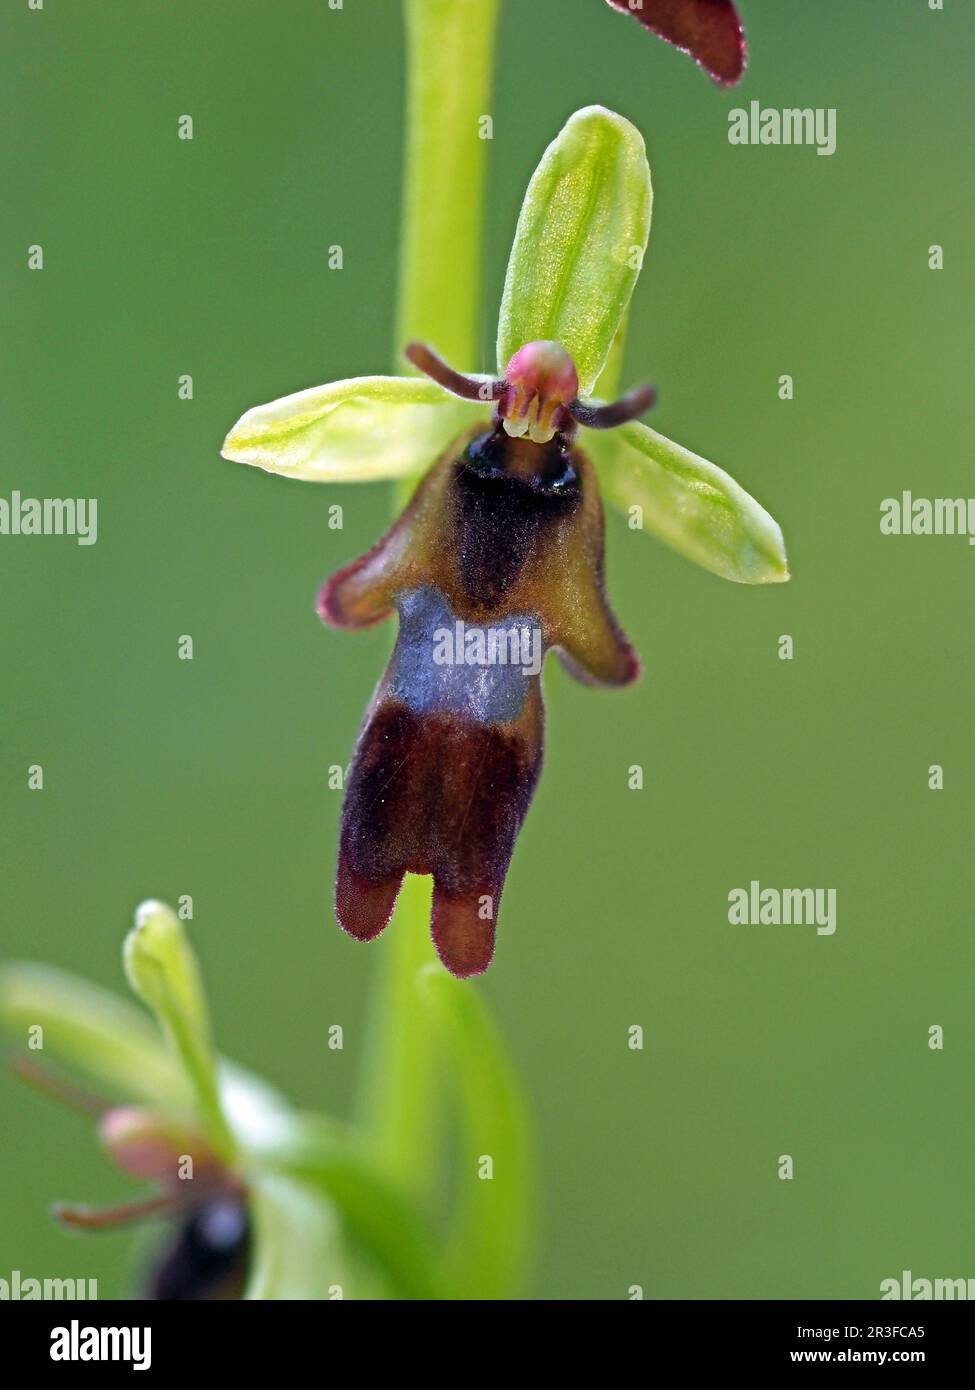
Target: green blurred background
{"x":208,"y":777}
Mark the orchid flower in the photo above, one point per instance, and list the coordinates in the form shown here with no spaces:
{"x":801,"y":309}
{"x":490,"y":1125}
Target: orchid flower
{"x":503,"y":537}
{"x":259,"y":1200}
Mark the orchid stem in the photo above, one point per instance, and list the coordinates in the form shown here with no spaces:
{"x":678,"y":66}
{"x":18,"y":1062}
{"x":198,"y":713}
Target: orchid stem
{"x":450,"y":53}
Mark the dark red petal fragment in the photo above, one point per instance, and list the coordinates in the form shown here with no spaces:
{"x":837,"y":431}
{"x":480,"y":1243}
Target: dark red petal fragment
{"x":709,"y":30}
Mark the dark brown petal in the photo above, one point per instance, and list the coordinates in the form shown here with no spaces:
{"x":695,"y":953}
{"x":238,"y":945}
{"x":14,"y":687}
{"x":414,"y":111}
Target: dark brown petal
{"x":441,"y":795}
{"x":709,"y":30}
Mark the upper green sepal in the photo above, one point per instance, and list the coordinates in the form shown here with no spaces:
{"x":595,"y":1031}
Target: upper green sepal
{"x":579,"y":244}
{"x":690,"y":504}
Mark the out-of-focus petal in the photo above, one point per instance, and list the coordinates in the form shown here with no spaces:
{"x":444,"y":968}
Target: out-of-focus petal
{"x":709,"y":30}
{"x":93,"y":1031}
{"x":360,"y":430}
{"x":298,"y":1251}
{"x":579,"y":244}
{"x":690,"y":504}
{"x":379,"y":1222}
{"x":162,"y":970}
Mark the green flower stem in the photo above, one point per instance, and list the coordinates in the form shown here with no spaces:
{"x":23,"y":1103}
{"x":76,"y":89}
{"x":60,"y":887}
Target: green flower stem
{"x":450,"y":60}
{"x":401,"y":1090}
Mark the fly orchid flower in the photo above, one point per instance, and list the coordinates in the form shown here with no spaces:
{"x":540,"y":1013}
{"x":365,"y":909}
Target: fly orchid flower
{"x":207,"y":1256}
{"x":262,"y":1201}
{"x":169,"y":1126}
{"x":498,"y":557}
{"x":709,"y":30}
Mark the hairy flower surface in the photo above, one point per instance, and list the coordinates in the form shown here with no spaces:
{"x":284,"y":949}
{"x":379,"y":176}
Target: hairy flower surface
{"x":503,"y":544}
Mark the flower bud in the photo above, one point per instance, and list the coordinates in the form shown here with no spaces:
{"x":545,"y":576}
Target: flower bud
{"x":145,"y":1145}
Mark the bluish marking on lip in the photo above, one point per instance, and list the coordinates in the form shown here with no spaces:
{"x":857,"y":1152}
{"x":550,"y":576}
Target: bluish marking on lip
{"x":489,"y":694}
